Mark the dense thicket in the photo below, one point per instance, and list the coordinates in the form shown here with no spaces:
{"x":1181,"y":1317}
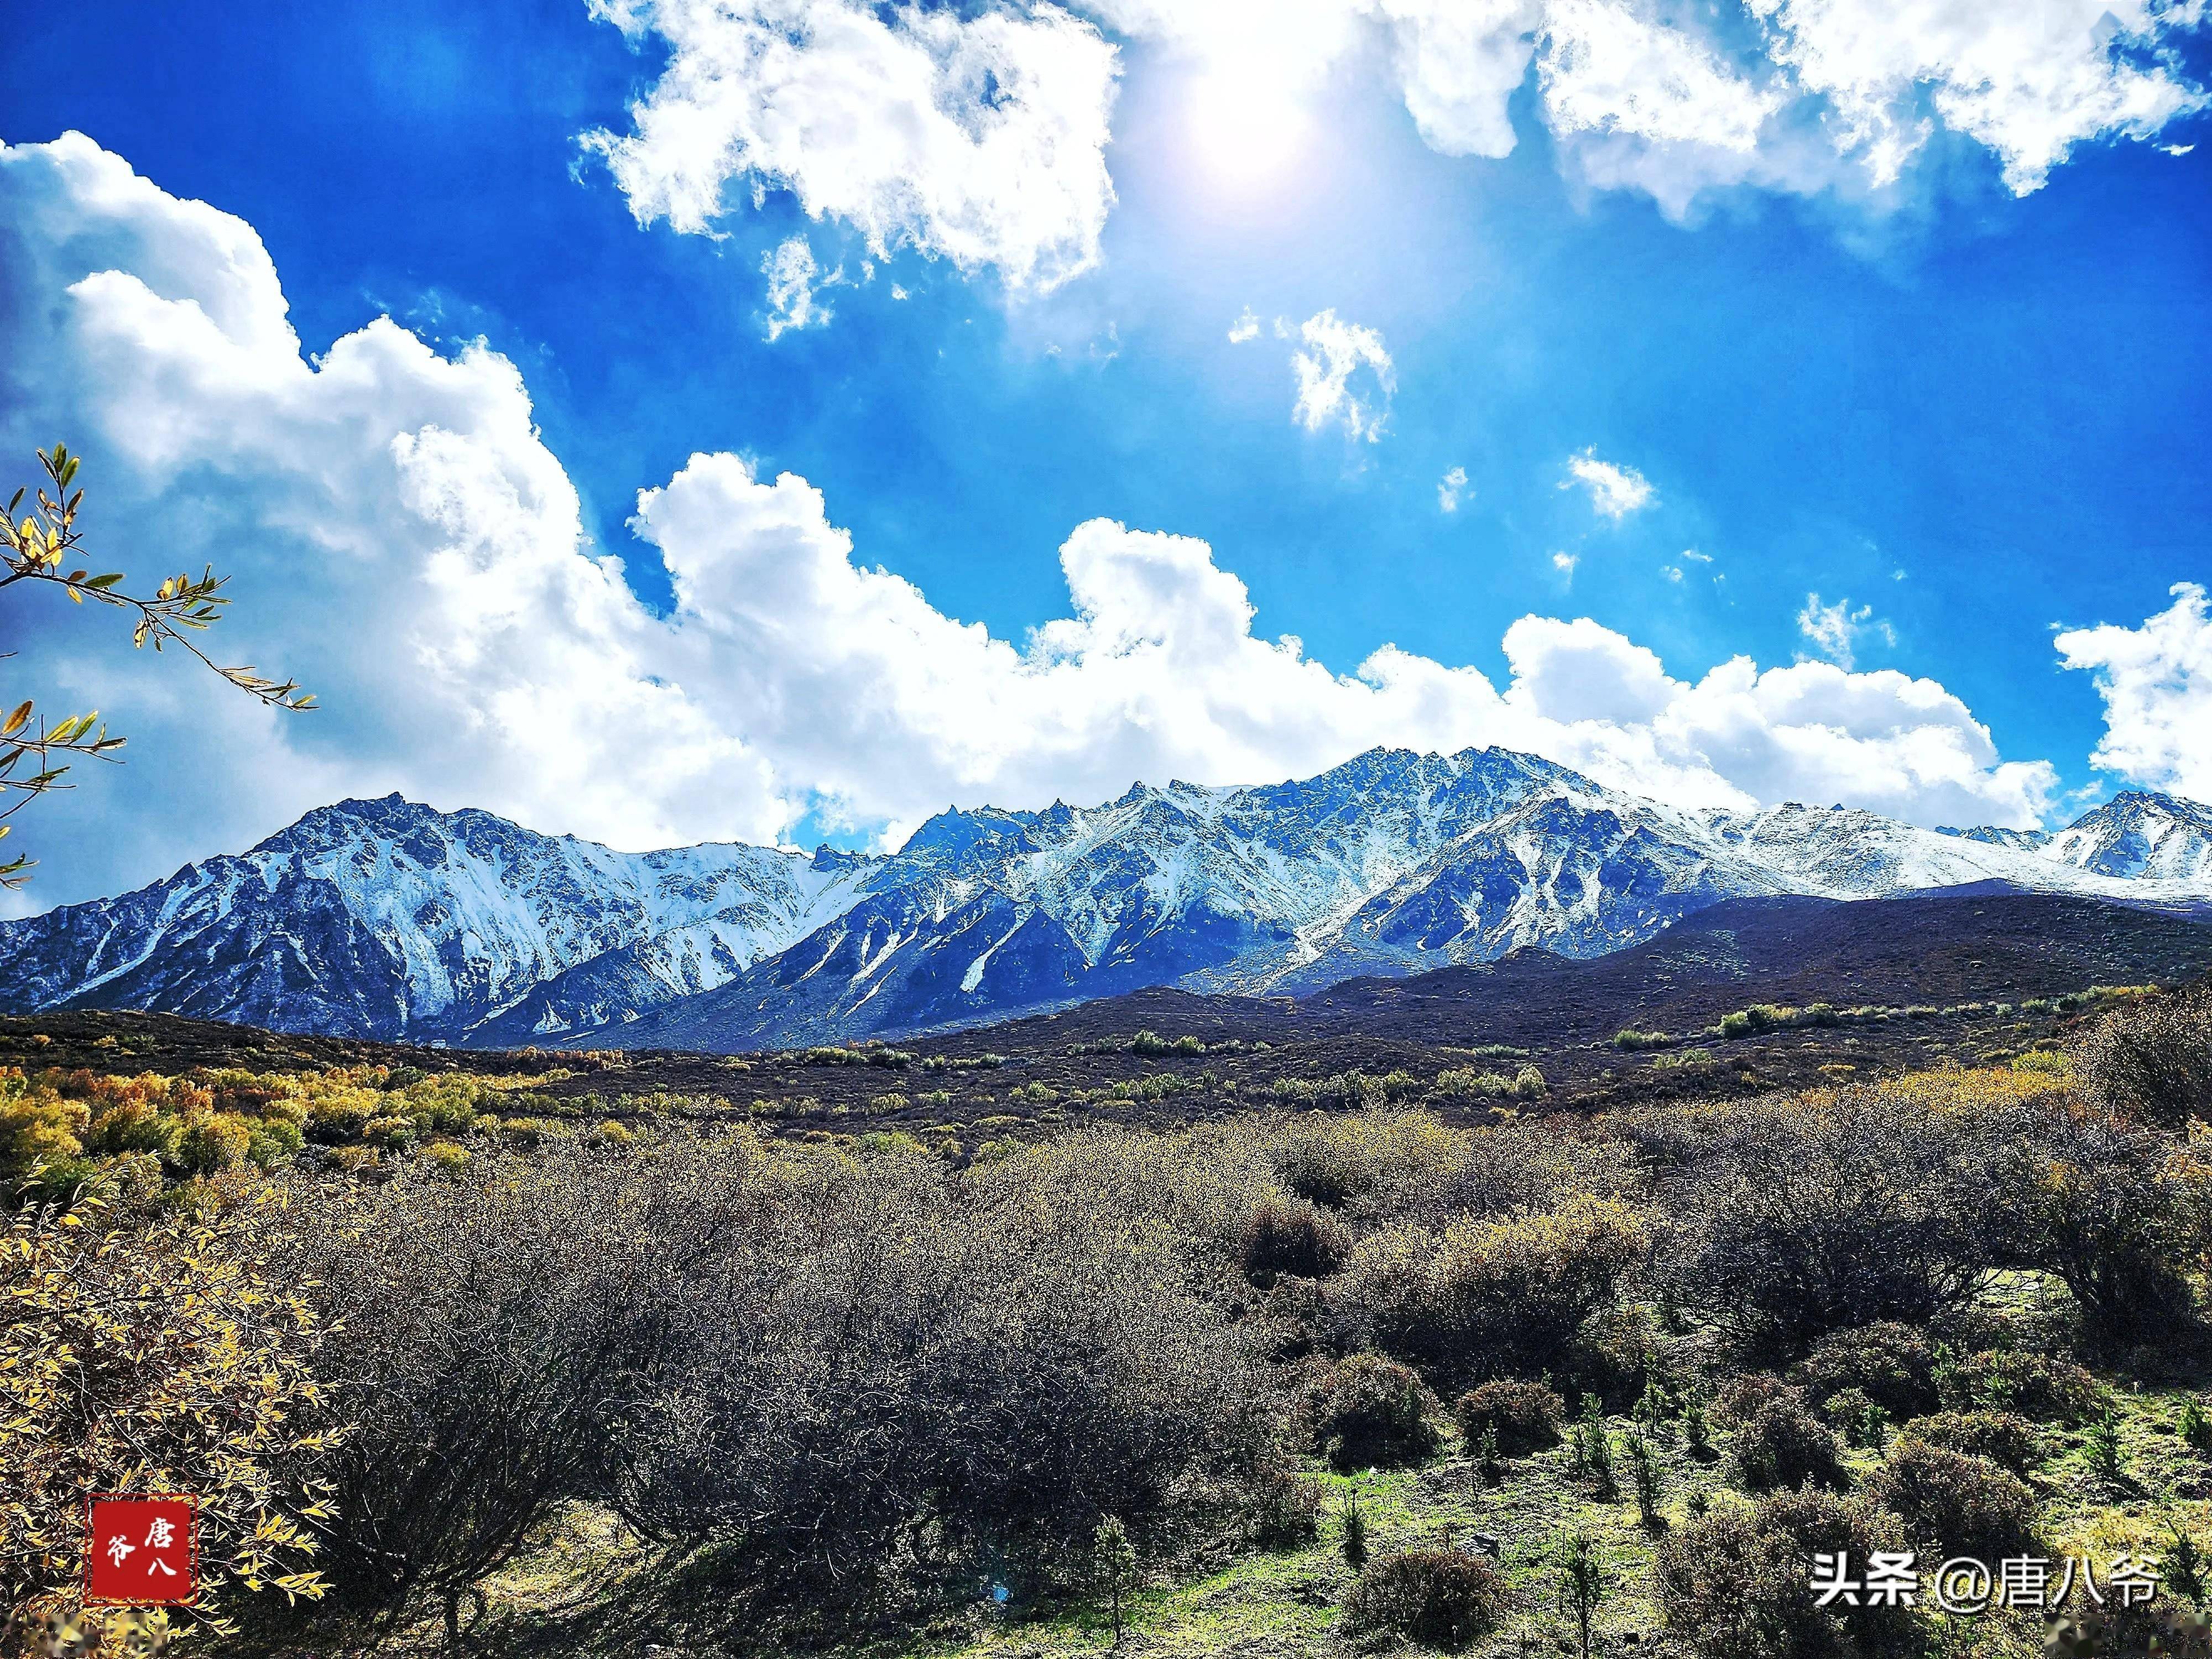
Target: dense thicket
{"x":846,"y":1383}
{"x":838,"y":1382}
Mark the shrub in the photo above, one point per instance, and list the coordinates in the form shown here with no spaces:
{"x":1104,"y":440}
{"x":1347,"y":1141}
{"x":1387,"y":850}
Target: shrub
{"x":869,"y":1384}
{"x":2034,"y":1385}
{"x":37,"y":1126}
{"x":447,"y":1156}
{"x":1323,"y":1163}
{"x":1525,"y":1417}
{"x":1891,"y":1365}
{"x":150,"y":1358}
{"x":394,"y":1134}
{"x":1372,"y":1411}
{"x":1798,"y":1219}
{"x":1439,"y":1598}
{"x":1863,"y":1420}
{"x":1954,"y":1504}
{"x":1283,"y":1511}
{"x":1783,"y":1444}
{"x":2193,"y":1427}
{"x":2004,"y":1438}
{"x":1735,"y":1582}
{"x":210,"y":1144}
{"x":2152,"y":1058}
{"x":2113,"y":1209}
{"x":487,"y":1315}
{"x":1511,"y":1294}
{"x":273,"y":1142}
{"x":332,"y":1123}
{"x":1293,"y":1238}
{"x":1740,"y":1398}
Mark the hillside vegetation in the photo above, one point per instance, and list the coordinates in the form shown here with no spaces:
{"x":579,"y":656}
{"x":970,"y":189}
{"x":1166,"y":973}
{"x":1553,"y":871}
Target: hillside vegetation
{"x":463,"y":1368}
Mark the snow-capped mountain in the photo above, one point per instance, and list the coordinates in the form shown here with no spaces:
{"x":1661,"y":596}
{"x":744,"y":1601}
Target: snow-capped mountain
{"x":2136,"y":835}
{"x":387,"y":919}
{"x":384,"y":918}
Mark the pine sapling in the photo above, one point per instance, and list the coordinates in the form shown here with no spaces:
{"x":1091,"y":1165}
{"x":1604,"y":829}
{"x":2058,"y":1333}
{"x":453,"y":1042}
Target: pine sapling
{"x":1580,"y":1583}
{"x":1596,"y":1448}
{"x":1114,"y":1562}
{"x":1354,"y":1541}
{"x":1696,"y":1429}
{"x":1643,"y":1474}
{"x":2103,"y":1443}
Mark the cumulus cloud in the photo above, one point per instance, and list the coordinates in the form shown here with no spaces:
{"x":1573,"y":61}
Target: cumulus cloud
{"x":1345,"y":376}
{"x":1803,"y":96}
{"x":2156,"y":684}
{"x":2029,"y":80}
{"x":978,"y":134}
{"x":1614,"y":491}
{"x":794,"y":280}
{"x":1608,"y":69}
{"x":402,"y":538}
{"x":1450,"y":487}
{"x":1835,"y":629}
{"x":1564,"y":563}
{"x":1246,"y":327}
{"x":977,"y":138}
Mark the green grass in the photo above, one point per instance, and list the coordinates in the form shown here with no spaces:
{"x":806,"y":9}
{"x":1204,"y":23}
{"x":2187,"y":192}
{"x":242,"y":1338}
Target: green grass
{"x":587,"y":1590}
{"x":1284,"y":1605}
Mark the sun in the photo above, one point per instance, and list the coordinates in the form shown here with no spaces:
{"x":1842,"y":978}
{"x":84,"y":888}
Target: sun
{"x":1247,"y":127}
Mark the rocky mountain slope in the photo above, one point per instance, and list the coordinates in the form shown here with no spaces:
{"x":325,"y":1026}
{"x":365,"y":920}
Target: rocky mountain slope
{"x":384,"y":918}
{"x":387,"y":919}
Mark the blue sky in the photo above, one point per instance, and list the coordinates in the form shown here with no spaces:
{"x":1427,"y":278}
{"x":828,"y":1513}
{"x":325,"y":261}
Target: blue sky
{"x":1876,"y":415}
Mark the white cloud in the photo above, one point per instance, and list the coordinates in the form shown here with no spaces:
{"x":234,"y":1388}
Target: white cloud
{"x":1834,"y":629}
{"x":402,"y":539}
{"x":2156,"y":684}
{"x":979,"y":134}
{"x":1246,"y":327}
{"x":793,"y":280}
{"x":1606,"y":68}
{"x":1614,"y":491}
{"x":1564,"y":563}
{"x":1800,"y":96}
{"x":978,"y":138}
{"x":1450,"y":489}
{"x":1673,"y":573}
{"x":1345,"y":377}
{"x":2029,"y":79}
{"x":1692,"y":555}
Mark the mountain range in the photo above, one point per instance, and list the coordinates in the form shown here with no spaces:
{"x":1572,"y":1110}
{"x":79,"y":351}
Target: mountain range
{"x":388,"y":919}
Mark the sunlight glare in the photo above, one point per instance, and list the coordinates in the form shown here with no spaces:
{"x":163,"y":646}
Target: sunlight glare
{"x":1246,"y":126}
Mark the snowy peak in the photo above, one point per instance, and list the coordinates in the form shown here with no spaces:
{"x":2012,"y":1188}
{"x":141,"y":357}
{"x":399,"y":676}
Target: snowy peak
{"x":2138,"y":835}
{"x":388,"y":918}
